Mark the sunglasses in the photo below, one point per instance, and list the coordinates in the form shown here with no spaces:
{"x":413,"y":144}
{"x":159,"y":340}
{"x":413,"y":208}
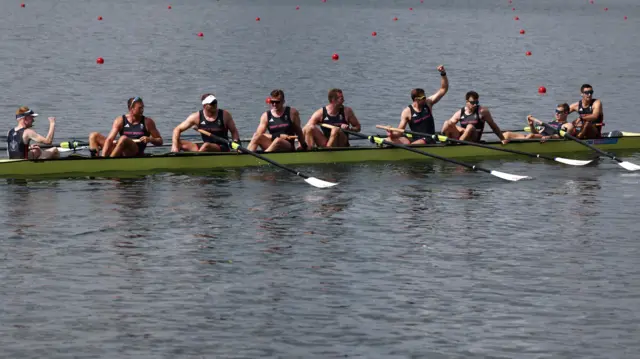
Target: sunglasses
{"x":419,"y":98}
{"x":473,"y":102}
{"x":590,"y":92}
{"x":274,"y":102}
{"x":559,"y":112}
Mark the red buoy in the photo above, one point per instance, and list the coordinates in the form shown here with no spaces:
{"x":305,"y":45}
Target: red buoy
{"x":169,"y":7}
{"x":510,"y":1}
{"x":606,"y":9}
{"x":324,"y":0}
{"x":200,"y":34}
{"x":516,"y":18}
{"x":528,"y":53}
{"x":335,"y":57}
{"x":522,"y":32}
{"x":257,"y":19}
{"x":374,"y":34}
{"x":410,"y":9}
{"x":99,"y":18}
{"x":395,"y":19}
{"x":542,"y":90}
{"x":267,"y":100}
{"x":421,"y":1}
{"x":297,"y":7}
{"x":22,"y":5}
{"x":100,"y":61}
{"x":625,"y":17}
{"x":591,"y":1}
{"x":513,"y":9}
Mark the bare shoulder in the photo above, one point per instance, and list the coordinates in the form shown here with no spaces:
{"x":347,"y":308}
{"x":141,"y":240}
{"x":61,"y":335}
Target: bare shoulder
{"x":294,"y":111}
{"x":406,"y":112}
{"x":226,"y":114}
{"x":485,"y":111}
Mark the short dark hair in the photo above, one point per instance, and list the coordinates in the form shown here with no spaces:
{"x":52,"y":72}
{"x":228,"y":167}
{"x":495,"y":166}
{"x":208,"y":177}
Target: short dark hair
{"x":417,"y":92}
{"x":333,"y":94}
{"x":565,"y":107}
{"x":585,"y":86}
{"x":277,"y":93}
{"x":472,"y":94}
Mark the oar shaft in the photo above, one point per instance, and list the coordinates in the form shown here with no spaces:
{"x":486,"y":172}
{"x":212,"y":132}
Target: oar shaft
{"x":444,"y":138}
{"x":235,"y":146}
{"x":408,"y":148}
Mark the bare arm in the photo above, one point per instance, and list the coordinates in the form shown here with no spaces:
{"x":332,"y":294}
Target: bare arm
{"x":32,"y":135}
{"x":262,"y":127}
{"x":156,"y":137}
{"x":191,"y":121}
{"x":315,"y":119}
{"x":444,"y":88}
{"x":108,"y":143}
{"x":573,"y":107}
{"x":532,"y":126}
{"x":295,"y":119}
{"x":489,"y":119}
{"x":231,"y":125}
{"x":455,"y":118}
{"x":352,"y":119}
{"x":405,"y":117}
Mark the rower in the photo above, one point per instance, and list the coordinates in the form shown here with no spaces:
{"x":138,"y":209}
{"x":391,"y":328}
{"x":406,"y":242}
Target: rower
{"x":419,"y":115}
{"x":467,"y":124}
{"x":589,"y":124}
{"x":212,"y":119}
{"x":544,"y":133}
{"x":283,"y":124}
{"x":18,"y":138}
{"x":335,"y":113}
{"x":135,"y":131}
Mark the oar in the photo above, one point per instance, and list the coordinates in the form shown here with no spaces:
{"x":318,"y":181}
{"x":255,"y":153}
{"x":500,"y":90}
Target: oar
{"x":444,"y":139}
{"x":310,"y":180}
{"x":378,"y":140}
{"x":624,"y":164}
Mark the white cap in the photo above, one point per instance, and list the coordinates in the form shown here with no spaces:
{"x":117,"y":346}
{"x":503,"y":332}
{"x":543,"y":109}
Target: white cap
{"x":209,"y":99}
{"x":26,"y":113}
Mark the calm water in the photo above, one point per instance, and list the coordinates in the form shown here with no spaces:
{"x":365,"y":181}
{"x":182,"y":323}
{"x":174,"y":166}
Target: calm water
{"x":422,"y":260}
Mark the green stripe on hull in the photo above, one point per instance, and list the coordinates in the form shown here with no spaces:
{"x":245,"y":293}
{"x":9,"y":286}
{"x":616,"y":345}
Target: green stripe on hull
{"x":185,"y":162}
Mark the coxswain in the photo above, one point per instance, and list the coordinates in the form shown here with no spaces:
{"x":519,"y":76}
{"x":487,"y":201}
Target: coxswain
{"x":283,"y":124}
{"x":335,"y":113}
{"x":19,"y":138}
{"x":419,"y":114}
{"x":212,"y":119}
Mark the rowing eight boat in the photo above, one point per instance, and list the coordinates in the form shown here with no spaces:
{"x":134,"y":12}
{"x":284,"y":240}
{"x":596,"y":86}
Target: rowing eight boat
{"x":183,"y":162}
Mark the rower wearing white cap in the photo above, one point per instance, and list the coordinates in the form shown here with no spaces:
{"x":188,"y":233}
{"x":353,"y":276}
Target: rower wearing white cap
{"x":212,"y":119}
{"x":18,"y":138}
{"x":135,"y":130}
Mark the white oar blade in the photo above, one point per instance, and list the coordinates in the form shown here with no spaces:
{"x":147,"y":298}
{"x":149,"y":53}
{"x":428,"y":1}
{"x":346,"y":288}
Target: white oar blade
{"x":629,"y":166}
{"x":316,"y":182}
{"x":568,"y":161}
{"x":508,"y":176}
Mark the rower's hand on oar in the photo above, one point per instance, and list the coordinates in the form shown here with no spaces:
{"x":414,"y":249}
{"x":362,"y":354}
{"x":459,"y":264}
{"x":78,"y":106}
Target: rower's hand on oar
{"x":344,"y":126}
{"x":145,"y":139}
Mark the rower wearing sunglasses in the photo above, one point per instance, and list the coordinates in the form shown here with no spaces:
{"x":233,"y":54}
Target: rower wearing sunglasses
{"x":467,"y":124}
{"x":419,"y":115}
{"x":212,"y":119}
{"x":335,"y":113}
{"x":545,"y":133}
{"x":283,"y":124}
{"x":135,"y":130}
{"x":19,"y":137}
{"x":589,"y":124}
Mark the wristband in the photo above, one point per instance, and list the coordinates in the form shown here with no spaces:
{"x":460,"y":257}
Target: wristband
{"x":443,"y":73}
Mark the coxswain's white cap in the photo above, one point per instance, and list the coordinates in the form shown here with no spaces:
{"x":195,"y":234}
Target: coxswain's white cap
{"x":209,"y":100}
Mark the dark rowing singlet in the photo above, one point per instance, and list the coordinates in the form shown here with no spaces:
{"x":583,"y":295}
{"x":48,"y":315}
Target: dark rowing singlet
{"x":281,"y":125}
{"x":134,"y":132}
{"x":555,"y":125}
{"x":588,"y":111}
{"x":336,"y":120}
{"x":215,"y":127}
{"x":16,"y":148}
{"x":422,"y":122}
{"x":472,"y":119}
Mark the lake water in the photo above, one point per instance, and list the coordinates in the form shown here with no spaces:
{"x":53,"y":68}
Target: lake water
{"x":420,"y":260}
